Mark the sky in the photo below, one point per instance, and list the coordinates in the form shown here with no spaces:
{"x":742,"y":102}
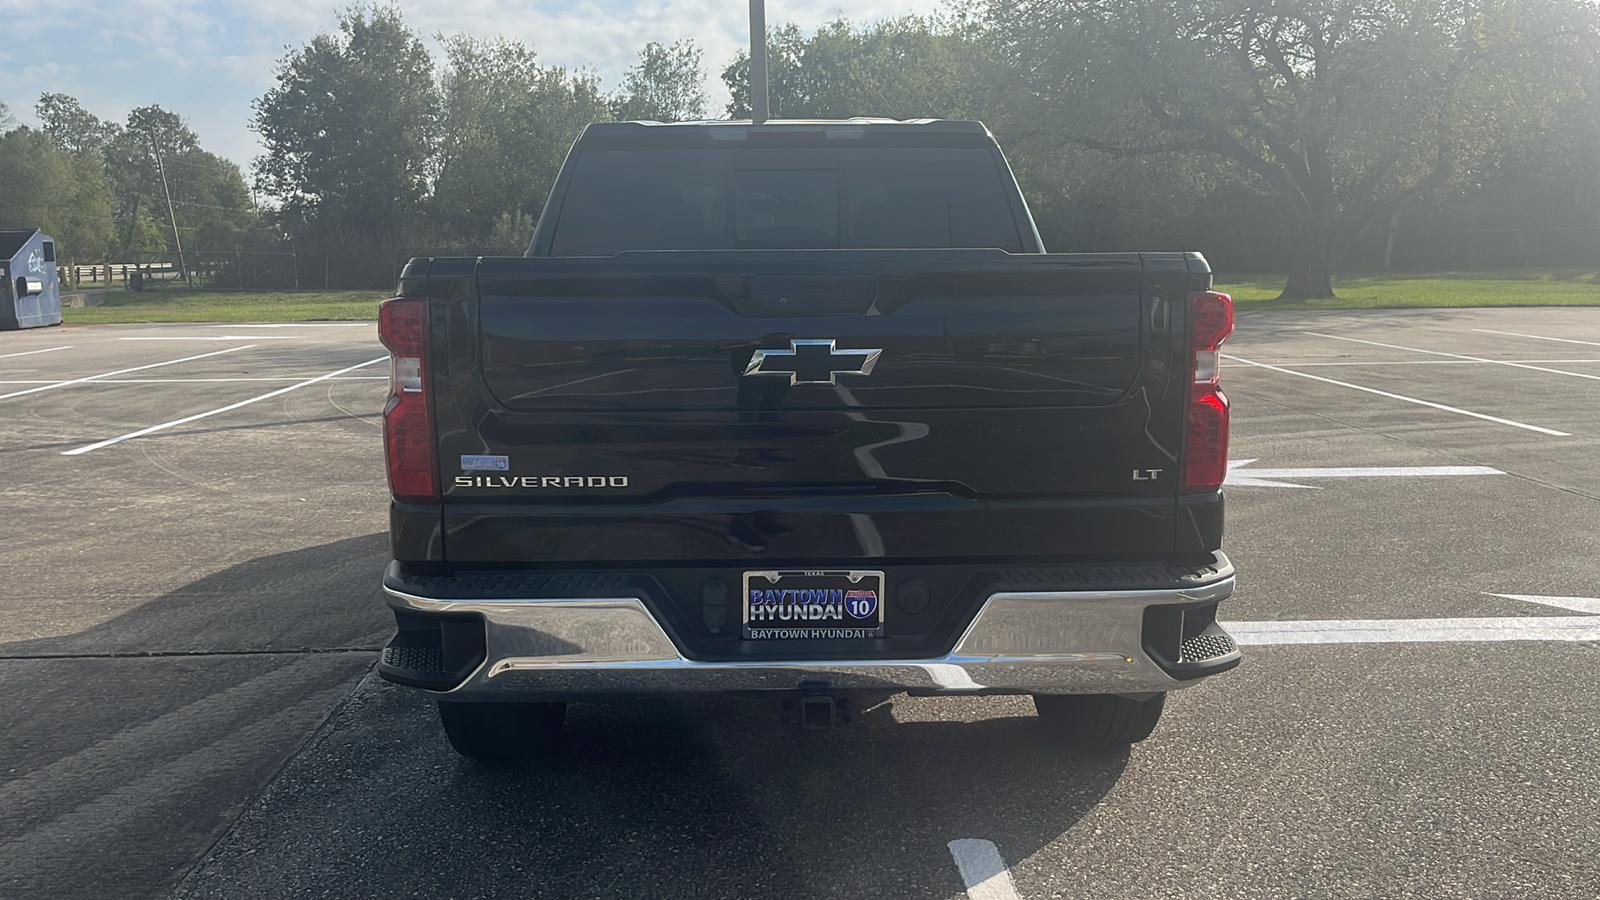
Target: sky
{"x":206,"y":61}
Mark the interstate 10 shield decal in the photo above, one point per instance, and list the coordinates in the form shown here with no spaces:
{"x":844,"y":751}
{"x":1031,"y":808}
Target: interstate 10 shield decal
{"x":813,"y":606}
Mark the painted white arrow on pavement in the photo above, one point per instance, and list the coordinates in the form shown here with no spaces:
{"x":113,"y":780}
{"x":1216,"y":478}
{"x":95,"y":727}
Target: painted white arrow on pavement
{"x":1270,"y":477}
{"x":1393,"y":631}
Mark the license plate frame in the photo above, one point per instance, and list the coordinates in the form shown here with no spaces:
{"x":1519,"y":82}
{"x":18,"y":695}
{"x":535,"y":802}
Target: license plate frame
{"x":764,"y":620}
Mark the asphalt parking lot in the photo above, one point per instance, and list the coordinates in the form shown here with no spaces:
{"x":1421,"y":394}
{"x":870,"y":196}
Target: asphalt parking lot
{"x":195,"y":524}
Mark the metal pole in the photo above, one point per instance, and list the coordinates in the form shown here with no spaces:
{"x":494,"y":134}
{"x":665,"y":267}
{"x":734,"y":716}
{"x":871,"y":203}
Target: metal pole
{"x":759,"y":110}
{"x":172,"y":216}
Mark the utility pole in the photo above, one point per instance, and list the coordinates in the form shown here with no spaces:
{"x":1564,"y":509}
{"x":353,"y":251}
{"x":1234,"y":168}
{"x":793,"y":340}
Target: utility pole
{"x":172,"y":215}
{"x":759,"y":111}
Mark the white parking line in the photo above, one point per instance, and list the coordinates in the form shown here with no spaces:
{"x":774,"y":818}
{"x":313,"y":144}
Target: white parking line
{"x":305,"y":325}
{"x":1371,"y":472}
{"x":1539,"y":337}
{"x":982,"y":870}
{"x":32,"y":352}
{"x":1476,"y":359}
{"x":1240,"y":476}
{"x":88,"y":378}
{"x":1429,"y":403}
{"x":202,"y":380}
{"x":233,"y":380}
{"x":1576,"y":604}
{"x":950,"y":676}
{"x":219,"y":337}
{"x":1421,"y":362}
{"x":222,"y":409}
{"x":1396,"y":631}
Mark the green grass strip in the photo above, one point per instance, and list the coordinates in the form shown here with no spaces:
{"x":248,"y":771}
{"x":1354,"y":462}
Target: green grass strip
{"x":1501,"y":287}
{"x":228,"y":306}
{"x":1388,"y":290}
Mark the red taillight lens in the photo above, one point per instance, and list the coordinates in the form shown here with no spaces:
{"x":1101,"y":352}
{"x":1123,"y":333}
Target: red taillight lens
{"x":407,"y":435}
{"x":1210,"y":318}
{"x":1205,"y":445}
{"x":1205,"y":462}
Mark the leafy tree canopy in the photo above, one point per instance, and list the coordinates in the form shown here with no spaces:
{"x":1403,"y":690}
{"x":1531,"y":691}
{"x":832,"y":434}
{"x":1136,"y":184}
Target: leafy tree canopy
{"x":65,"y":195}
{"x":350,"y":129}
{"x":666,"y":85}
{"x":98,"y":185}
{"x":154,"y":155}
{"x":1342,"y":111}
{"x":904,"y":68}
{"x":71,"y":127}
{"x":508,"y":123}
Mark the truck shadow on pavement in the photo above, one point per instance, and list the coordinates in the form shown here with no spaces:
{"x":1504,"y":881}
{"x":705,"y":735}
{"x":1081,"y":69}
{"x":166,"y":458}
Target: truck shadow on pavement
{"x":142,"y":736}
{"x":657,"y":797}
{"x":650,"y":797}
{"x":318,"y":598}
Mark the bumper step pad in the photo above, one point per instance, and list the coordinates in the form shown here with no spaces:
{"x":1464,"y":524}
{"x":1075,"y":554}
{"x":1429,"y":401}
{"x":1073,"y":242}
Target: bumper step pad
{"x":1207,"y":646}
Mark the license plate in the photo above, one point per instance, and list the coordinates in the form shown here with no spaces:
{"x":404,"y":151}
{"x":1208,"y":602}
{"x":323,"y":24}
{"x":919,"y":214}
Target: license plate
{"x":813,"y":606}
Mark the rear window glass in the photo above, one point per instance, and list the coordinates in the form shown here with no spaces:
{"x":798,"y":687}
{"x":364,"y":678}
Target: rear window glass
{"x":49,"y":251}
{"x":747,"y":199}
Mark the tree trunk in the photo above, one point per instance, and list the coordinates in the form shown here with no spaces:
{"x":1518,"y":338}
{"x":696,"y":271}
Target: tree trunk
{"x":1311,"y":275}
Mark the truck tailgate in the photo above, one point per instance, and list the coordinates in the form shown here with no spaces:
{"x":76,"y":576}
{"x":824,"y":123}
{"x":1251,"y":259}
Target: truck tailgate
{"x":796,"y":404}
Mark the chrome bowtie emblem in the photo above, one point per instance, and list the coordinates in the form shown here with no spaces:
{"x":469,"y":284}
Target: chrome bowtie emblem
{"x":812,"y":361}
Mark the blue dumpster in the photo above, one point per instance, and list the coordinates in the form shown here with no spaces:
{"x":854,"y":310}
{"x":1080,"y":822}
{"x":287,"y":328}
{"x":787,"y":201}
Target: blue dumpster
{"x":30,"y":292}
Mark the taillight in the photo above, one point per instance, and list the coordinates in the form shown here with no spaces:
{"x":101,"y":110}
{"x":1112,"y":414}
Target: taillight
{"x":407,"y":437}
{"x":1205,"y":444}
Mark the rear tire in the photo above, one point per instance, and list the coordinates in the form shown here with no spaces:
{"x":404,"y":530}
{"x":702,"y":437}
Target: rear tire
{"x":502,"y":732}
{"x":1098,"y":721}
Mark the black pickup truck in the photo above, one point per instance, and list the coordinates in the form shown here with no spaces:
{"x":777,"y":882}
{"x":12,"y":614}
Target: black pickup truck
{"x":803,"y":410}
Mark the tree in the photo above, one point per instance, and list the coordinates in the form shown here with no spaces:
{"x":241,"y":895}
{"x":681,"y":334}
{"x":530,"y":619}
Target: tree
{"x":212,"y":203}
{"x":117,"y":159}
{"x":63,"y":194}
{"x":71,"y":127}
{"x":1341,"y":111}
{"x":510,"y":236}
{"x":667,"y":85}
{"x":350,"y":129}
{"x":156,"y":155}
{"x":508,"y":123}
{"x":789,"y":93}
{"x":136,"y":178}
{"x":900,"y":68}
{"x":6,"y":121}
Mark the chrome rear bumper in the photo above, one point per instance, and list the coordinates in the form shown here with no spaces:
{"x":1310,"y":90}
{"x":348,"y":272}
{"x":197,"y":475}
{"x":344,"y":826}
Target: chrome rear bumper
{"x":1057,"y":642}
